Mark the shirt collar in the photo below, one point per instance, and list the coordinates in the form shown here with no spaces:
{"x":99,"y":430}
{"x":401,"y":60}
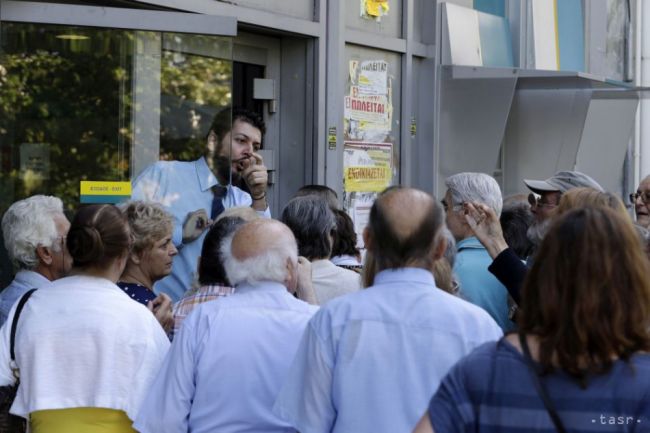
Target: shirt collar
{"x":207,"y":179}
{"x":322,"y":264}
{"x":31,"y":278}
{"x":261,"y":286}
{"x":86,"y":281}
{"x":471,"y":242}
{"x":401,"y":275}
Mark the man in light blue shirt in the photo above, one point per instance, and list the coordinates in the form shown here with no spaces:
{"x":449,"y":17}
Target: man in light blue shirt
{"x":368,"y":361}
{"x":477,"y":284}
{"x":34,"y":231}
{"x":195,"y":192}
{"x":228,"y":361}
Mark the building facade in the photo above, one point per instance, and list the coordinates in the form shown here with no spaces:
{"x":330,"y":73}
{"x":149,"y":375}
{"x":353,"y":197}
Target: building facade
{"x":357,"y":94}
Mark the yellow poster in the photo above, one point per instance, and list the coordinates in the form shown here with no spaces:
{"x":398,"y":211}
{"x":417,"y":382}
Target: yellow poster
{"x":367,"y":167}
{"x":376,"y":8}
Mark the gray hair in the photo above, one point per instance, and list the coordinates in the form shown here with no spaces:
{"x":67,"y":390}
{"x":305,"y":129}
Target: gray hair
{"x":475,"y":187}
{"x":29,"y":223}
{"x":268,"y":265}
{"x":312,"y":222}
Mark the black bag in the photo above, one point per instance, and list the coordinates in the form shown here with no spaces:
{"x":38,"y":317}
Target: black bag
{"x":11,"y":423}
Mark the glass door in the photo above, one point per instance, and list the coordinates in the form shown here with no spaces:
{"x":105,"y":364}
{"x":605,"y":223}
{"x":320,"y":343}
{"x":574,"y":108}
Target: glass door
{"x":80,"y":103}
{"x":98,"y":94}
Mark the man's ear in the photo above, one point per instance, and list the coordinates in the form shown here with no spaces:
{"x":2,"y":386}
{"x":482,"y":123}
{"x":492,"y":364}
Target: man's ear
{"x":367,"y":238}
{"x":440,"y":248}
{"x":292,"y":276}
{"x":45,"y":255}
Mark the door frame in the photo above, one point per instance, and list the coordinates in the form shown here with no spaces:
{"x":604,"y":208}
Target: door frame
{"x":117,"y":18}
{"x":265,"y":51}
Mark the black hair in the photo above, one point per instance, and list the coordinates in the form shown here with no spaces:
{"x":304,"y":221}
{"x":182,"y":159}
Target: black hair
{"x":515,"y":220}
{"x":222,"y":122}
{"x":345,"y":238}
{"x":211,"y":271}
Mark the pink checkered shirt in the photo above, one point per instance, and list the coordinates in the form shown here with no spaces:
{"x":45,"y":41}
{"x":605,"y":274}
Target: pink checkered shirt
{"x":193,"y":298}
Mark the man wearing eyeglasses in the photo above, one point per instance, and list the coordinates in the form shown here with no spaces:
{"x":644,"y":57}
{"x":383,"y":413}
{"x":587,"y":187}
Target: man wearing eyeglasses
{"x":641,"y":201}
{"x":550,"y":192}
{"x":477,"y":285}
{"x":34,"y":231}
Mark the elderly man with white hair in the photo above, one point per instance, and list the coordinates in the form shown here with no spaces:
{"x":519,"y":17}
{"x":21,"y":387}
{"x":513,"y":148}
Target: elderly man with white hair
{"x":34,"y":231}
{"x":477,"y":284}
{"x":228,"y":361}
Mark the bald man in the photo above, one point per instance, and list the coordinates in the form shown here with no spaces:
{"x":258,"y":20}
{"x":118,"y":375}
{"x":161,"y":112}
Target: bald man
{"x":231,"y":355}
{"x":370,"y":361}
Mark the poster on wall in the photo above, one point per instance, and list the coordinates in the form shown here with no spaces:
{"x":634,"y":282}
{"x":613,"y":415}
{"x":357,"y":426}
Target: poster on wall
{"x":368,"y":108}
{"x":367,"y":167}
{"x":368,"y":150}
{"x":374,"y":9}
{"x":359,"y":211}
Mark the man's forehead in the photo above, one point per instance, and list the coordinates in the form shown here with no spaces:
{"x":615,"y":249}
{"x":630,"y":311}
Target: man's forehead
{"x":243,"y":127}
{"x":61,"y":222}
{"x":645,"y":184}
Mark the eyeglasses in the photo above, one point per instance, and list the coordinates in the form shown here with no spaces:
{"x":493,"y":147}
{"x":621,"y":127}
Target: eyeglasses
{"x":537,"y":202}
{"x":61,"y":242}
{"x":445,"y":205}
{"x":644,"y":196}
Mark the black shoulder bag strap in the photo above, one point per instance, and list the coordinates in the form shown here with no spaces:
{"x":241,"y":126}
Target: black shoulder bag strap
{"x":14,"y":325}
{"x":548,"y":404}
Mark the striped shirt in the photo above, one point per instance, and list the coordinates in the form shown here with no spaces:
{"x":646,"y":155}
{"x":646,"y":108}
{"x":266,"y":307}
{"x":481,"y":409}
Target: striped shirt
{"x":492,"y":390}
{"x":194,"y":298}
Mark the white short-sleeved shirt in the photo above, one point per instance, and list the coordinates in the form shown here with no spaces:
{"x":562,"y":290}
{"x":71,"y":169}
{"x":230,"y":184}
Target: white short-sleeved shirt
{"x":82,"y":342}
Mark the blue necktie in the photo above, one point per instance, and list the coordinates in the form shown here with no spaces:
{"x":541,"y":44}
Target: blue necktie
{"x":217,"y":202}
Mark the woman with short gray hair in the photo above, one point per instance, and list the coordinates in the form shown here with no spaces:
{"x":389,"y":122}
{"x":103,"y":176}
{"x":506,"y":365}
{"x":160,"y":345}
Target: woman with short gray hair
{"x":313,"y":223}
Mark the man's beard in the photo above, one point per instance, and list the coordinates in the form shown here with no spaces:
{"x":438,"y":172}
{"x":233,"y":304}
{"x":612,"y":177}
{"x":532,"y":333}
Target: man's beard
{"x":537,"y":231}
{"x":226,"y":174}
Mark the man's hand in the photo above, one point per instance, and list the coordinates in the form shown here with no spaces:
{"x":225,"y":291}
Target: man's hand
{"x":195,"y":223}
{"x":305,"y":288}
{"x":161,"y":307}
{"x":256,"y":177}
{"x":486,"y":226}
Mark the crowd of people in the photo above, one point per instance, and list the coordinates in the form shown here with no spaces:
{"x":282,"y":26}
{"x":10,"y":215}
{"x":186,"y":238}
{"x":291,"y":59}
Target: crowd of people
{"x":190,"y":309}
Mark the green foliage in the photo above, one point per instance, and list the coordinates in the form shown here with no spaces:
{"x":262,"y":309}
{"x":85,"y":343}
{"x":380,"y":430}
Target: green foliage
{"x":75,"y":96}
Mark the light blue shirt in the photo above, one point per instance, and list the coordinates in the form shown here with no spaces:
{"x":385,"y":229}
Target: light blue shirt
{"x":184,"y":187}
{"x":24,"y":281}
{"x":227,"y":363}
{"x":371,"y":360}
{"x":478,"y":285}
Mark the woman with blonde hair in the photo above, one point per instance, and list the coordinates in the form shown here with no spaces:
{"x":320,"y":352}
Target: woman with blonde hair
{"x":582,"y":197}
{"x":580,"y":359}
{"x":85,"y":351}
{"x":151,"y":258}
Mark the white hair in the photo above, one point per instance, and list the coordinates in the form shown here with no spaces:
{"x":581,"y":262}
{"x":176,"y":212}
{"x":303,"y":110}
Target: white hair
{"x":268,"y":265}
{"x":29,"y":223}
{"x":475,"y":187}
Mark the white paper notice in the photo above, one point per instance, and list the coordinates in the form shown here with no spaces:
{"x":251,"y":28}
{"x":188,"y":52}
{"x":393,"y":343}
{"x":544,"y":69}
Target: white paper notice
{"x":373,"y":78}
